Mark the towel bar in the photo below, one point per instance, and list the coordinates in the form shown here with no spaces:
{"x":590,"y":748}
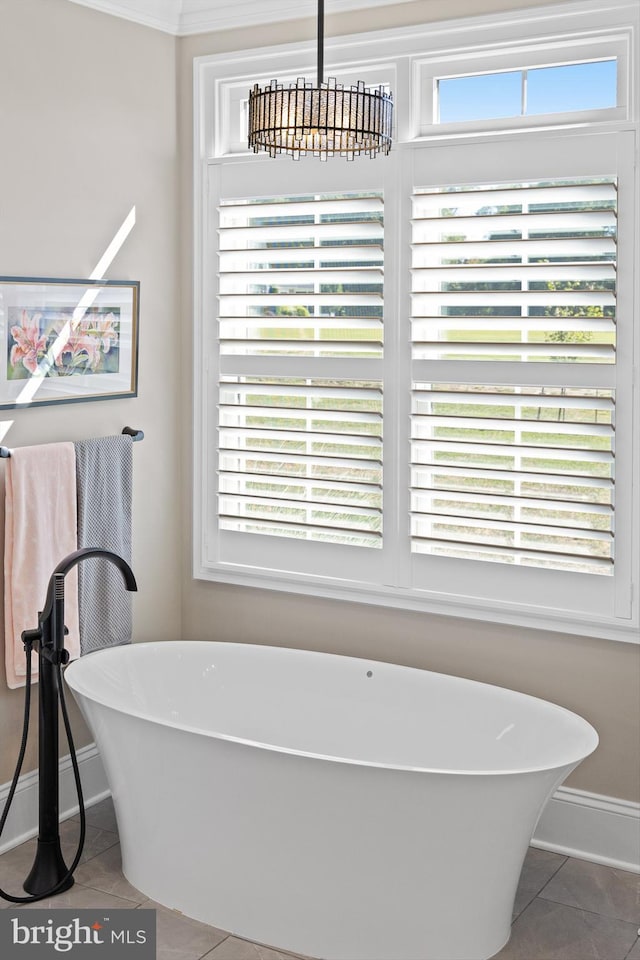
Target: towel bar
{"x":135,"y":435}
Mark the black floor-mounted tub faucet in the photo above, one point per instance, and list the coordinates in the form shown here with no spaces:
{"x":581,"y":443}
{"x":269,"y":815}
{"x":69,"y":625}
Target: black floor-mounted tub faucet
{"x":49,"y":872}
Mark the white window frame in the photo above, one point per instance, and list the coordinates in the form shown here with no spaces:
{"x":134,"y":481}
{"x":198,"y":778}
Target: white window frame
{"x":529,"y":56}
{"x":398,"y":57}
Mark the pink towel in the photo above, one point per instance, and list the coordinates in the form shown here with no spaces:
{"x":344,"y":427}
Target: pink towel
{"x":40,"y":530}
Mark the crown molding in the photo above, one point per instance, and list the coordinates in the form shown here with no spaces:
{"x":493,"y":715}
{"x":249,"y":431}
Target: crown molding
{"x":160,"y":14}
{"x":186,"y":17}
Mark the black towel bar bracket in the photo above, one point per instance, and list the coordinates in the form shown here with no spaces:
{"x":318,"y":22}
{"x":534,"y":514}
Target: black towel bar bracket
{"x":135,"y":435}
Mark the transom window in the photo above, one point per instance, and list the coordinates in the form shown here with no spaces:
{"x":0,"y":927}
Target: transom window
{"x":564,"y":88}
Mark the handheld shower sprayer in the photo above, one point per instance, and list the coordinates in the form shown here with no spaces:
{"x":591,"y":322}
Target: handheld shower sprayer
{"x":49,"y":874}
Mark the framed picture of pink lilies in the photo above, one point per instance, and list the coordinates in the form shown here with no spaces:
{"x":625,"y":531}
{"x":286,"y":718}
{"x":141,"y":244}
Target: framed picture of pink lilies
{"x":68,"y":340}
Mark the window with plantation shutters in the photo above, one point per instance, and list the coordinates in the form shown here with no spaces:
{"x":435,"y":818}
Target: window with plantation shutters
{"x":414,"y":376}
{"x":515,"y":272}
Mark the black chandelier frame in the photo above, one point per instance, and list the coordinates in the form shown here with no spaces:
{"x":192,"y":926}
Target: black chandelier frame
{"x":324,"y":120}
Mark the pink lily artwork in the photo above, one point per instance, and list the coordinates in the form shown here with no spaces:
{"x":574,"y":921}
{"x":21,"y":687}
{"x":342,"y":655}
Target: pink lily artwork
{"x":52,"y":343}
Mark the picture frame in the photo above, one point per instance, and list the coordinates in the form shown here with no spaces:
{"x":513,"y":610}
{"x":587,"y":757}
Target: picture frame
{"x":67,"y":340}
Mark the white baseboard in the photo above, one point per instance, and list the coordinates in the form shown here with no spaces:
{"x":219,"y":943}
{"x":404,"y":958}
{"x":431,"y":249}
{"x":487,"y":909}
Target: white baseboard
{"x":591,"y":827}
{"x":22,"y":822}
{"x":575,"y":823}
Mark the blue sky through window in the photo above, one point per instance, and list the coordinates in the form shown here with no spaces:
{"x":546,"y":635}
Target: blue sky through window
{"x":576,"y":86}
{"x":485,"y":96}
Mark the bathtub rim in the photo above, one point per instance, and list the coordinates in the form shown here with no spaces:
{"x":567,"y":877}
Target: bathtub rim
{"x":92,"y":696}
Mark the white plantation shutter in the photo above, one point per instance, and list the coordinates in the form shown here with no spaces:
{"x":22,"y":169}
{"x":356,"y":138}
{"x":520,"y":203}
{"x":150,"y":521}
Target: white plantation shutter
{"x":526,"y":273}
{"x":299,"y":393}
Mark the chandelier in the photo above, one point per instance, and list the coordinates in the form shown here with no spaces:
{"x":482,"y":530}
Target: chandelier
{"x":325,"y":120}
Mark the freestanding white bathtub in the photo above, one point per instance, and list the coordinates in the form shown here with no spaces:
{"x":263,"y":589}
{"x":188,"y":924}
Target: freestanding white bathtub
{"x":341,"y":808}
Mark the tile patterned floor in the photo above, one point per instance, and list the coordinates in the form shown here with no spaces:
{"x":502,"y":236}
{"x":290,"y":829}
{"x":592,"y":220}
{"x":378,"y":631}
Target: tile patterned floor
{"x":565,"y":909}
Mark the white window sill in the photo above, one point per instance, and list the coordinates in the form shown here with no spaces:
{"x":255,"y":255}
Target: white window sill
{"x":625,"y":631}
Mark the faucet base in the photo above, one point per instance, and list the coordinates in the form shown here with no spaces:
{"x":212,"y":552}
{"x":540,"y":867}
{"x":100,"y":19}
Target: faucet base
{"x":48,"y":869}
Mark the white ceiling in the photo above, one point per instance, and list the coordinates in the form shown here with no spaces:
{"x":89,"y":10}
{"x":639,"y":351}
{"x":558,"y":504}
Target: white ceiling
{"x":183,"y":17}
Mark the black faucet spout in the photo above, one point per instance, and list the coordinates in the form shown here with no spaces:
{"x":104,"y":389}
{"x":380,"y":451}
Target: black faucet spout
{"x":55,"y":590}
{"x":84,"y":553}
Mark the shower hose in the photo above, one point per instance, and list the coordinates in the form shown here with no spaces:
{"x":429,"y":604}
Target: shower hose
{"x":76,"y":774}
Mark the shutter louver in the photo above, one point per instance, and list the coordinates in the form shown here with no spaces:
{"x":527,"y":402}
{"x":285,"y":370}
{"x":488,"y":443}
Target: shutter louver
{"x":300,"y":456}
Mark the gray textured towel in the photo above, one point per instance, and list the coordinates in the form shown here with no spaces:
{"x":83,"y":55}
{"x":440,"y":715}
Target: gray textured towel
{"x":104,"y":479}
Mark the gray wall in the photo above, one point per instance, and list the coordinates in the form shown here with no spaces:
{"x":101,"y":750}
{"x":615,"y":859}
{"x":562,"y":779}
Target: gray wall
{"x":87,"y":130}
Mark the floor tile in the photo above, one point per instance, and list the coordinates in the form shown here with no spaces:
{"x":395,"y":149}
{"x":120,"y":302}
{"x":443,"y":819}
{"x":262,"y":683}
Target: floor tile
{"x":80,"y":896}
{"x":635,"y":950}
{"x":104,"y":872}
{"x":101,"y":815}
{"x":15,"y":864}
{"x":539,"y":866}
{"x":233,"y":948}
{"x":96,"y":840}
{"x":13,"y":888}
{"x":179,"y":938}
{"x":592,"y":886}
{"x":552,"y":931}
